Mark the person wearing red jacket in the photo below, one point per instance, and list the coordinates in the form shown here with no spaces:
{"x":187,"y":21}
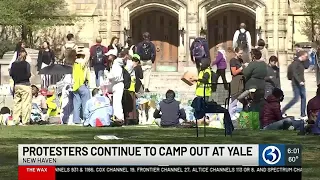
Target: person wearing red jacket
{"x":271,"y":116}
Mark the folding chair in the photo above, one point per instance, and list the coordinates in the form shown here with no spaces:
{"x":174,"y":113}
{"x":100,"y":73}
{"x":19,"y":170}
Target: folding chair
{"x":226,"y":105}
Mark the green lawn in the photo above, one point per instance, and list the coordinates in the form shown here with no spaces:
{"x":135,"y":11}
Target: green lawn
{"x":10,"y":137}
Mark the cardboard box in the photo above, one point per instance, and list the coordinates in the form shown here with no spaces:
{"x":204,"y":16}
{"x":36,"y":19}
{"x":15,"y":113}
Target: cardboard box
{"x":188,"y":77}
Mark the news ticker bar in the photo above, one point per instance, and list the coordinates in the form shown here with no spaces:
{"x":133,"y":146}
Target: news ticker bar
{"x":96,"y":172}
{"x":160,"y":154}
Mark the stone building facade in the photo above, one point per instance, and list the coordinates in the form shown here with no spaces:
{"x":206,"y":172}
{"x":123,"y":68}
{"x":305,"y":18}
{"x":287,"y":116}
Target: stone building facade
{"x":174,"y":24}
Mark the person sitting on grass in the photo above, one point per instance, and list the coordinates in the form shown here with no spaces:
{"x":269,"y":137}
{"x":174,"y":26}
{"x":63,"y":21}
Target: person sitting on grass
{"x":169,"y":113}
{"x":6,"y":117}
{"x":52,"y":102}
{"x":271,"y":116}
{"x":98,"y":111}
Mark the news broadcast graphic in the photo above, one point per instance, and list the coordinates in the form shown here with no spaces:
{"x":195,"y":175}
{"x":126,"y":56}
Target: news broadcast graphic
{"x":53,"y":162}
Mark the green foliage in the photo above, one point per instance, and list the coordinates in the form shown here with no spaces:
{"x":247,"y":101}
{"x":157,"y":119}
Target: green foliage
{"x":32,"y":15}
{"x":312,"y":7}
{"x":6,"y":46}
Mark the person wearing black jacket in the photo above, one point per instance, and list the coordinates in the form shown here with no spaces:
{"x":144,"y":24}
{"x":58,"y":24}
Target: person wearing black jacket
{"x":139,"y":73}
{"x":273,"y":76}
{"x":21,"y":73}
{"x":46,"y":58}
{"x":206,"y":49}
{"x":147,"y":52}
{"x":298,"y":83}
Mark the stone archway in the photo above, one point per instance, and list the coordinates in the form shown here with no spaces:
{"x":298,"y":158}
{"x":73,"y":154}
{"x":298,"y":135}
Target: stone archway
{"x":163,"y":20}
{"x":221,"y":19}
{"x":222,"y":25}
{"x":163,"y":27}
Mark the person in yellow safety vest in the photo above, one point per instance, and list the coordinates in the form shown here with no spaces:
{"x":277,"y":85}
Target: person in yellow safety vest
{"x":81,"y":92}
{"x":204,"y":79}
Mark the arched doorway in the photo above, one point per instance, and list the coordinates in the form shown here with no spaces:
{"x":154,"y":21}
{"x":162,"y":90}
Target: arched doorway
{"x":222,"y":26}
{"x":163,"y":28}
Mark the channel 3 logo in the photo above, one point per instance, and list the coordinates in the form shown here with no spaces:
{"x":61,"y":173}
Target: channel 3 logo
{"x":271,"y":155}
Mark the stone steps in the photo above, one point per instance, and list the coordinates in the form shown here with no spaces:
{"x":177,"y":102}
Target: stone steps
{"x":162,"y":81}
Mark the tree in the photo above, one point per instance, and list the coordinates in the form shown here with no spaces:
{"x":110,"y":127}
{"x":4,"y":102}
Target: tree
{"x":31,"y":15}
{"x":312,"y":7}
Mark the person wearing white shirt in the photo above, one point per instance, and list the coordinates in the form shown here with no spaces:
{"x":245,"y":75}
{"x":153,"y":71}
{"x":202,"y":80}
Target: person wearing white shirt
{"x":242,"y":40}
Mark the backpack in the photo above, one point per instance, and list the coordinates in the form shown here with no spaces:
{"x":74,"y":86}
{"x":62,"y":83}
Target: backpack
{"x":290,"y":71}
{"x":146,"y":51}
{"x":198,"y":51}
{"x":126,"y":78}
{"x":242,"y":40}
{"x":68,"y":51}
{"x":99,"y":57}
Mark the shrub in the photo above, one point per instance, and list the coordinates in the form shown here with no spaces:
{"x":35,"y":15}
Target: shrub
{"x":6,"y":46}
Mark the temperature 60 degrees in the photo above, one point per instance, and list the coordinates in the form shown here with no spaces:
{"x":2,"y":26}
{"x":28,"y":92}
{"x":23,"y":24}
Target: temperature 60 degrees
{"x":293,"y":159}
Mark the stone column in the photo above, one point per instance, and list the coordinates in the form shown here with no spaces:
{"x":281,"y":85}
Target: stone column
{"x":182,"y":38}
{"x":276,"y":26}
{"x":109,"y":6}
{"x":260,"y":22}
{"x":282,"y":34}
{"x":192,"y":19}
{"x":269,"y":27}
{"x":116,"y":31}
{"x":124,"y":23}
{"x":203,"y":18}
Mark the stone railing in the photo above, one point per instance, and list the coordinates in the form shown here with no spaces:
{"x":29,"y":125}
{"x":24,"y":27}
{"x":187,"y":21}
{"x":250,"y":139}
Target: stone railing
{"x":5,"y":61}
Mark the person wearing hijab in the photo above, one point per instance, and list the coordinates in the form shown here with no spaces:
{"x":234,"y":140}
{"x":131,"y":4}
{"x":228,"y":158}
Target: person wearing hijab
{"x":129,"y":97}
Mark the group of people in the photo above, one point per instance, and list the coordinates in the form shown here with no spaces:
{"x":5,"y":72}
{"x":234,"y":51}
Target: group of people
{"x":118,"y":71}
{"x":255,"y":79}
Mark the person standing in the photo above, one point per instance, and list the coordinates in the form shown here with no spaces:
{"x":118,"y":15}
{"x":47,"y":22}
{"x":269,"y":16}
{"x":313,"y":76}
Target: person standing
{"x":221,"y":62}
{"x":139,"y":73}
{"x":98,"y":60}
{"x":273,"y":76}
{"x":236,"y":67}
{"x":130,"y":46}
{"x":262,"y":48}
{"x":21,"y":73}
{"x":199,"y":49}
{"x":70,"y":45}
{"x":115,"y":77}
{"x":81,"y":92}
{"x":147,"y":52}
{"x":114,"y":44}
{"x":296,"y":75}
{"x":46,"y":57}
{"x":256,"y":72}
{"x":242,"y":40}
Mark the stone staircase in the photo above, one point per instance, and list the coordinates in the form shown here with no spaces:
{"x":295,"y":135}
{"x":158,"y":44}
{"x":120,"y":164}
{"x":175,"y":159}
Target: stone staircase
{"x":162,"y":81}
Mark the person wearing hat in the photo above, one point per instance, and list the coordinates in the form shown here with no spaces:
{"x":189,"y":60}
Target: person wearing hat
{"x":81,"y":92}
{"x":139,"y":73}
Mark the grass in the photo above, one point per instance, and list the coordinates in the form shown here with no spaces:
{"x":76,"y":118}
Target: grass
{"x":10,"y":137}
